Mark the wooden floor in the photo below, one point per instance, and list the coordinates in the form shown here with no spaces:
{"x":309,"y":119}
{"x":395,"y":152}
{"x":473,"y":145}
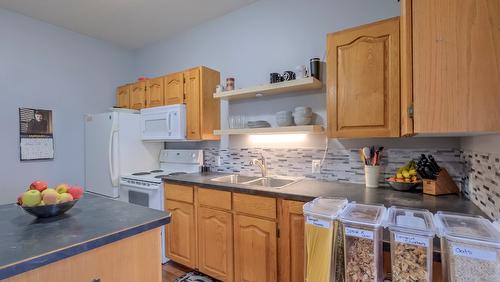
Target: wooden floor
{"x":172,"y":271}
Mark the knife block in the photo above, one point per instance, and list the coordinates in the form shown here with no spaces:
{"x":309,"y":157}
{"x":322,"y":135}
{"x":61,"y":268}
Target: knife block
{"x":443,"y":184}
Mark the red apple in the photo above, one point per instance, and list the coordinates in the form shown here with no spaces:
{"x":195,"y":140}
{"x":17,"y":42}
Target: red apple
{"x":38,"y":185}
{"x":76,"y":192}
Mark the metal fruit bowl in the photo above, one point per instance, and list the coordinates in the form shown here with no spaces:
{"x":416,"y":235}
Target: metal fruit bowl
{"x":403,"y":186}
{"x":49,"y":210}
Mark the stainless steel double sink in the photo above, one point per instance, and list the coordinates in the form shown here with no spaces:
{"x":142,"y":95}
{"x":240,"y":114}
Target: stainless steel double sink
{"x":267,"y":182}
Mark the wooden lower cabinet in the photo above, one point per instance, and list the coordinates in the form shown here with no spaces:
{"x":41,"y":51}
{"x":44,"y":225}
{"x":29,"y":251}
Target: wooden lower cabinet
{"x":132,"y":259}
{"x":255,"y":250}
{"x":215,"y":243}
{"x":180,"y":239}
{"x":291,"y":252}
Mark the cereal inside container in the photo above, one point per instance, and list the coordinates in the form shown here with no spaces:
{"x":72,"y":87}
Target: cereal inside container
{"x":470,"y":247}
{"x":322,"y":239}
{"x":412,"y":232}
{"x":362,"y":228}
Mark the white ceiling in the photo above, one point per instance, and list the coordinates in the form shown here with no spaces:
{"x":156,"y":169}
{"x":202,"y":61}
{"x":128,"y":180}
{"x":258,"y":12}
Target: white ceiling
{"x":128,"y":23}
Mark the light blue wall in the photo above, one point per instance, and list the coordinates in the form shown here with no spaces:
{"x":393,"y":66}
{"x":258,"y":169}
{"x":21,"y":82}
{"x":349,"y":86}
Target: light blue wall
{"x":43,"y":66}
{"x":267,"y":36}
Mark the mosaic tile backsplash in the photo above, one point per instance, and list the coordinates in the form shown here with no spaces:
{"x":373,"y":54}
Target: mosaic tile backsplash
{"x":478,"y":175}
{"x":481,"y":181}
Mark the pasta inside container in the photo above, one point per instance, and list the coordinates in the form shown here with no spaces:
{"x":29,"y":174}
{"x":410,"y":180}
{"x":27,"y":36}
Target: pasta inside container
{"x":322,"y":239}
{"x":470,"y":248}
{"x":412,"y":233}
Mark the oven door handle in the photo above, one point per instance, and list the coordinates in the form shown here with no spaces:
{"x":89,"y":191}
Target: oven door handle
{"x":138,"y":188}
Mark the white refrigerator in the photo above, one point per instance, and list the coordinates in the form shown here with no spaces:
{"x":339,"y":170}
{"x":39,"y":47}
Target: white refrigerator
{"x":113,"y":147}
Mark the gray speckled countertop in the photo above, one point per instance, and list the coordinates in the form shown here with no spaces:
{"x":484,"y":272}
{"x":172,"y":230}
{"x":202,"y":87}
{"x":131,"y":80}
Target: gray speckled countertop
{"x":306,"y":190}
{"x":27,"y":242}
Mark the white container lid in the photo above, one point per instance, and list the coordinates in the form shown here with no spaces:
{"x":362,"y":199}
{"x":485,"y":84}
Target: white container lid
{"x":328,"y":207}
{"x":415,"y":221}
{"x":370,"y":215}
{"x":467,"y":227}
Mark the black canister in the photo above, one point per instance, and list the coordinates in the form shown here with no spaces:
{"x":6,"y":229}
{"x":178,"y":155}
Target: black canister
{"x":314,"y":65}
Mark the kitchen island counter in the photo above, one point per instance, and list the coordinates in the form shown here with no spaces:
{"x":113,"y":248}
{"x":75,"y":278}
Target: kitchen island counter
{"x":27,"y":243}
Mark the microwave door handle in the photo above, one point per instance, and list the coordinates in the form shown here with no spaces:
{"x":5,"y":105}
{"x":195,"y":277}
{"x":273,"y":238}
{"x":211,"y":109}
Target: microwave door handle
{"x":169,"y":121}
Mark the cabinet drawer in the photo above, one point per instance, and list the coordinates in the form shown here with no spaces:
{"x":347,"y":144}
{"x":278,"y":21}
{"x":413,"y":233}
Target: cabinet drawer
{"x":255,"y":205}
{"x":214,"y":198}
{"x":183,"y":193}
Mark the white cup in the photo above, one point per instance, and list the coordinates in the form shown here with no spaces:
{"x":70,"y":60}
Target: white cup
{"x":372,"y":173}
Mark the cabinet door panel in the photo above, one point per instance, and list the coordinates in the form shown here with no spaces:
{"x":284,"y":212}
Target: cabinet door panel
{"x":291,"y":241}
{"x":180,"y":234}
{"x":456,"y":66}
{"x":192,"y":91}
{"x":254,"y":249}
{"x":138,"y":95}
{"x":363,"y":81}
{"x":215,"y":243}
{"x":123,"y":97}
{"x":174,"y":88}
{"x":154,"y":94}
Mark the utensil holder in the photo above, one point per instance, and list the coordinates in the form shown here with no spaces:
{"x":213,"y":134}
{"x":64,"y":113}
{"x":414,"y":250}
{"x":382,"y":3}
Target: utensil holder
{"x":443,"y":184}
{"x":372,"y":173}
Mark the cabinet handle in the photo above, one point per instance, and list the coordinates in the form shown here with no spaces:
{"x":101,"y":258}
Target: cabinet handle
{"x":96,"y":280}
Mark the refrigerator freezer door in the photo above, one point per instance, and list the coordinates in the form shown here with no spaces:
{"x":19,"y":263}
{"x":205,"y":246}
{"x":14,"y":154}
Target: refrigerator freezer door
{"x":101,"y":153}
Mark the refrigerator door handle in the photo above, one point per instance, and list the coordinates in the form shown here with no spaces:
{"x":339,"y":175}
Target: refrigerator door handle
{"x":112,"y":174}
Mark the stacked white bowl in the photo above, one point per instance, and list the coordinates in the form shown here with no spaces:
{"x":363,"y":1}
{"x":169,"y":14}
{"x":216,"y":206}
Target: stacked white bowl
{"x":284,"y":118}
{"x":302,"y":115}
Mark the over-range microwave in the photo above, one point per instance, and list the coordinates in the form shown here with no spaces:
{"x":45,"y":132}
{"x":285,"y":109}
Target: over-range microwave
{"x":165,"y":123}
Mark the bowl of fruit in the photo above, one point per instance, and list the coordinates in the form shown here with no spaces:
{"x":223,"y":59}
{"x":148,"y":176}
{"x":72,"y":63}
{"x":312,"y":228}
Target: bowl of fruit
{"x":41,"y":201}
{"x":406,"y":178}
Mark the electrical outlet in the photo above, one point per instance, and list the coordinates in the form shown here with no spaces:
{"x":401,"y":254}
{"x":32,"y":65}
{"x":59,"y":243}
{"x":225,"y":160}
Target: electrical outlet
{"x":316,"y":166}
{"x":219,"y":160}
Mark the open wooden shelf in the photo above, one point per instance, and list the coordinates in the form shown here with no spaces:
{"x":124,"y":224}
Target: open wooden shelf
{"x":300,"y":129}
{"x":303,"y":84}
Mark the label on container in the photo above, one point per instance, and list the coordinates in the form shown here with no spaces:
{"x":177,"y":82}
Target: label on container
{"x":360,"y":233}
{"x":474,"y":253}
{"x":412,"y":240}
{"x":318,"y":222}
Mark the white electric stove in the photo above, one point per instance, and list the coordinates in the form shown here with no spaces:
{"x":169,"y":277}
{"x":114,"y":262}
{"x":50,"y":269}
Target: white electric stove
{"x":145,"y":187}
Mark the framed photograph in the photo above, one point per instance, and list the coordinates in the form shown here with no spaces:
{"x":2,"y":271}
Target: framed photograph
{"x":36,"y":140}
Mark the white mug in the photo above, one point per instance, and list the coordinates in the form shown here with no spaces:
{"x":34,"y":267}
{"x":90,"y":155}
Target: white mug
{"x":301,"y":71}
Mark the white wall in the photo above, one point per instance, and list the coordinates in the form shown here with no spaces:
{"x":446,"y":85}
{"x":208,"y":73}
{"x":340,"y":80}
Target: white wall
{"x":482,"y":144}
{"x":43,"y":66}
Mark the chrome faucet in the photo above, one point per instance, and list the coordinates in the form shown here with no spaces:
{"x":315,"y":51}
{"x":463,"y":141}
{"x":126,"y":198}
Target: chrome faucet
{"x":261,"y":163}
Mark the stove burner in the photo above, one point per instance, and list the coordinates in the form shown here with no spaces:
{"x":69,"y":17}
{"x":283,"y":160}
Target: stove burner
{"x":156,"y":171}
{"x":170,"y":174}
{"x":141,"y":173}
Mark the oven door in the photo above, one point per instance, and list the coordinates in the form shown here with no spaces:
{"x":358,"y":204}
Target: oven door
{"x":165,"y":123}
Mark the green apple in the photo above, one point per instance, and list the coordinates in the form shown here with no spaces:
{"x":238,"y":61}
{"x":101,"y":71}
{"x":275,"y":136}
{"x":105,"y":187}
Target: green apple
{"x":66,"y":197}
{"x":42,"y":203}
{"x":62,"y":188}
{"x":31,"y":198}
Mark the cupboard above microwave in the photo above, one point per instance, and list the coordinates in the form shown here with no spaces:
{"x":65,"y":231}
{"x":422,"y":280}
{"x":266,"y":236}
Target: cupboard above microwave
{"x":165,"y":123}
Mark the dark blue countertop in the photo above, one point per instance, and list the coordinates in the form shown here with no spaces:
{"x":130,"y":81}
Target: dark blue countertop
{"x":27,"y":242}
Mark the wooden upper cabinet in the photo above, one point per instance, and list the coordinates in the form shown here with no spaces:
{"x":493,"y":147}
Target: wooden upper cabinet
{"x":363,"y":81}
{"x":255,"y":258}
{"x":154,"y":92}
{"x":291,"y":242}
{"x":138,"y":95}
{"x":192,"y":93}
{"x":174,"y":88}
{"x":180,"y":239}
{"x":456,"y":65}
{"x":202,"y":110}
{"x":215,"y":243}
{"x":123,"y":97}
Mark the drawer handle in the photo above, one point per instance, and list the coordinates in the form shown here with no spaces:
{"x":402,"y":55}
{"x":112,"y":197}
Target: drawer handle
{"x":96,"y":280}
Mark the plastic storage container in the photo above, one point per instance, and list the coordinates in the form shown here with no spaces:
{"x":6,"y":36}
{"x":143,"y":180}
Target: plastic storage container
{"x":412,"y":233}
{"x":363,"y":231}
{"x":323,"y":263}
{"x":470,"y":247}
